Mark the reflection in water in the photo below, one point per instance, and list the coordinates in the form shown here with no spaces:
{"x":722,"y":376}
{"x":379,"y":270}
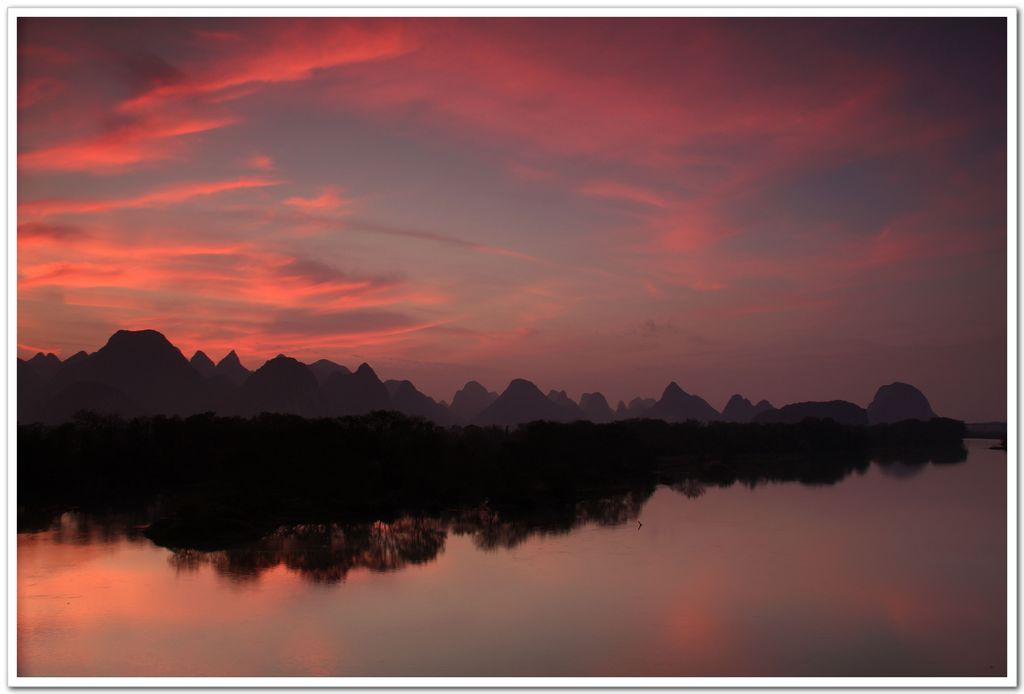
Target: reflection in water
{"x":490,"y":529}
{"x":688,"y":488}
{"x":87,"y":528}
{"x":326,"y":553}
{"x":882,"y":574}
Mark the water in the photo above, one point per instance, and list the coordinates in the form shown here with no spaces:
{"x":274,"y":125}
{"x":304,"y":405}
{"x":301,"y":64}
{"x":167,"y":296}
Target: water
{"x":896,"y":571}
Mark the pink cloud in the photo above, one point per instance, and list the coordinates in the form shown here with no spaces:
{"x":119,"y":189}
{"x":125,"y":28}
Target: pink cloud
{"x":41,"y":209}
{"x":37,"y":90}
{"x":191,"y":99}
{"x":531,"y":173}
{"x":122,"y":147}
{"x":328,"y":199}
{"x":261,"y":162}
{"x":291,"y":50}
{"x":623,"y":191}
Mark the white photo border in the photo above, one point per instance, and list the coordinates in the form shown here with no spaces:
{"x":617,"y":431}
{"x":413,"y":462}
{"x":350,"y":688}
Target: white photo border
{"x":420,"y":8}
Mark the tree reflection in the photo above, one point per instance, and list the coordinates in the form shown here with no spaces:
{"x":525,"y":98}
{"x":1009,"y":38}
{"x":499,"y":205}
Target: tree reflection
{"x":491,"y":530}
{"x":326,"y":552}
{"x":691,"y":489}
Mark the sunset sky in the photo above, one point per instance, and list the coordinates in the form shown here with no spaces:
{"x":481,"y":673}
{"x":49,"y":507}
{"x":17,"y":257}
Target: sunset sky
{"x":791,"y":209}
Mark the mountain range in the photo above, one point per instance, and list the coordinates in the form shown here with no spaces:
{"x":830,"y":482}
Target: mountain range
{"x":139,"y":372}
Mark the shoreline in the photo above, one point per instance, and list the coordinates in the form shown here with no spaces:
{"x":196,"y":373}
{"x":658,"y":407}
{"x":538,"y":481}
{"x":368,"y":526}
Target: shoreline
{"x":224,"y":481}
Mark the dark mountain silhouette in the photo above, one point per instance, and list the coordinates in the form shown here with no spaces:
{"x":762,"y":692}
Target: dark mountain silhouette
{"x":88,"y":396}
{"x":676,"y":405}
{"x":355,"y":393}
{"x":407,"y":400}
{"x":46,"y":366}
{"x":638,"y":407}
{"x":560,"y":398}
{"x":27,"y":376}
{"x":739,"y":409}
{"x":203,"y":365}
{"x":840,"y":410}
{"x":521,"y":402}
{"x":29,"y":391}
{"x":596,"y":409}
{"x":283,"y":385}
{"x":147,"y":369}
{"x":471,"y":401}
{"x":571,"y":412}
{"x":324,"y":368}
{"x":898,"y":401}
{"x":231,"y":368}
{"x":139,"y":373}
{"x":76,"y":358}
{"x":220,"y":396}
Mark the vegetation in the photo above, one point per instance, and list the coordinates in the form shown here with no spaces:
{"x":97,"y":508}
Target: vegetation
{"x":220,"y":479}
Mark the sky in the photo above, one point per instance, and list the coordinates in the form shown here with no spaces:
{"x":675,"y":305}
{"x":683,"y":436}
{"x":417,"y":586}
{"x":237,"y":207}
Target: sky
{"x":790,"y":209}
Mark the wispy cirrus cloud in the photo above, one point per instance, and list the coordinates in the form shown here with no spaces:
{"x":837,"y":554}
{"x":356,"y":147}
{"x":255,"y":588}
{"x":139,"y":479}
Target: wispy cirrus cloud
{"x":328,"y":199}
{"x":268,"y":53}
{"x":190,"y":97}
{"x":615,"y":190}
{"x":168,"y":195}
{"x":122,"y":146}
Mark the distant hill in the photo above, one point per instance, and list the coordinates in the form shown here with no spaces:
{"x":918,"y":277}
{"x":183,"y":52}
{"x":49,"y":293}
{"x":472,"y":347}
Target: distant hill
{"x":139,"y":372}
{"x":595,"y":408}
{"x":521,"y":402}
{"x":282,"y":385}
{"x":676,"y":405}
{"x":407,"y":400}
{"x":79,"y":396}
{"x":839,"y":410}
{"x":231,"y":369}
{"x":324,"y":368}
{"x":203,"y":365}
{"x":30,"y":393}
{"x":355,"y":393}
{"x":470,"y":400}
{"x":741,"y":410}
{"x":571,"y":412}
{"x":45,"y":366}
{"x":145,"y":367}
{"x":897,"y":402}
{"x":76,"y":358}
{"x":638,"y":407}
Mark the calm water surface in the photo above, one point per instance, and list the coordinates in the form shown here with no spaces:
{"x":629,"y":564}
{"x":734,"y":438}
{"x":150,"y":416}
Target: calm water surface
{"x":897,"y":571}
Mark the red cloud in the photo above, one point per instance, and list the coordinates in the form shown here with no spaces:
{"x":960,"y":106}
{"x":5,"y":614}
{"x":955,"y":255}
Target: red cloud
{"x":623,"y":191}
{"x":329,"y":199}
{"x":260,"y":161}
{"x":40,"y":209}
{"x":37,"y":90}
{"x":188,"y":99}
{"x":124,"y":146}
{"x":280,"y":51}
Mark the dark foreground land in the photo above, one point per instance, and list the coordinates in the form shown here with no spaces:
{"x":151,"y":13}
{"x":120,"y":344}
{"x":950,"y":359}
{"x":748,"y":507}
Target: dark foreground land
{"x":221,"y":481}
